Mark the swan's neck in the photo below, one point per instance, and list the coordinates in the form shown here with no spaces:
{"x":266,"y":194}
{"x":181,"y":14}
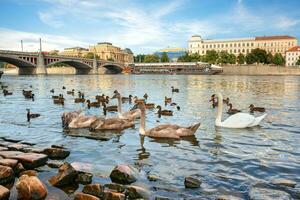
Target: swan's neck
{"x":143,"y":122}
{"x":119,"y":105}
{"x":219,"y":112}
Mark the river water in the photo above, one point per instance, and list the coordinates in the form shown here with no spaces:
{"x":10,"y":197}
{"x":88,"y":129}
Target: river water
{"x":228,"y":161}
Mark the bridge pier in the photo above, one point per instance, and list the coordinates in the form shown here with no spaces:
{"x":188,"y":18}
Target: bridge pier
{"x":26,"y":70}
{"x":41,"y":67}
{"x":94,"y":70}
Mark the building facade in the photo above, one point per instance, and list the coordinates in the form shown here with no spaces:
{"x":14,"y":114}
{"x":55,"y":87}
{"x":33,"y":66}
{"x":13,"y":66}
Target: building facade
{"x":74,"y":52}
{"x":292,"y":56}
{"x":173,"y":53}
{"x":107,"y":51}
{"x":272,"y":44}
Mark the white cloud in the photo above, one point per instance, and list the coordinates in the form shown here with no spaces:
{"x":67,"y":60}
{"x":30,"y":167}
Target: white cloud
{"x":11,"y":39}
{"x":285,"y":22}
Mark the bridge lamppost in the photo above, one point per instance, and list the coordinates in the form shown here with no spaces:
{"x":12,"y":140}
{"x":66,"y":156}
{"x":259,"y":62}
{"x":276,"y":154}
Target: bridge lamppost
{"x":22,"y":45}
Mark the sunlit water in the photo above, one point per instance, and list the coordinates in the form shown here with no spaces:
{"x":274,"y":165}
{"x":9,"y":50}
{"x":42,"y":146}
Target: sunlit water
{"x":228,"y":161}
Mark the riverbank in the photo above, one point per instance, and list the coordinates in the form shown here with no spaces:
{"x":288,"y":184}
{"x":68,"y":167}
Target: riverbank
{"x":260,"y":70}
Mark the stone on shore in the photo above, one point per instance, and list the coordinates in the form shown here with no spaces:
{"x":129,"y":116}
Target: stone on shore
{"x":152,"y":177}
{"x":95,"y":189}
{"x":284,"y":182}
{"x":116,"y":187}
{"x":19,"y":168}
{"x":111,"y":195}
{"x":4,"y":193}
{"x":84,"y":178}
{"x":29,"y":173}
{"x":123,"y":174}
{"x":83,"y":196}
{"x":56,"y":153}
{"x":6,"y":175}
{"x":192,"y":182}
{"x":161,"y":198}
{"x":31,"y":188}
{"x":137,"y":192}
{"x":3,"y":148}
{"x":8,"y":162}
{"x":17,"y":147}
{"x":54,"y":163}
{"x":227,"y":197}
{"x":66,"y":176}
{"x":256,"y":193}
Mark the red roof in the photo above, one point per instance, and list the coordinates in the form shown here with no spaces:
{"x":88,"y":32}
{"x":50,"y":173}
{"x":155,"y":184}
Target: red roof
{"x":295,"y":48}
{"x":276,"y":37}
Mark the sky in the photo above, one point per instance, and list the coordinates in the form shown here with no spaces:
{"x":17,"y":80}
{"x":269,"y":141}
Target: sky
{"x":144,"y":26}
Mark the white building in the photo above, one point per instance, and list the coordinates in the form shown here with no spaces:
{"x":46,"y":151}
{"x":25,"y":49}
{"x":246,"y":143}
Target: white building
{"x":292,"y":56}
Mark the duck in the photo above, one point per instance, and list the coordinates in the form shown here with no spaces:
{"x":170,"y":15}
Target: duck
{"x":6,"y":92}
{"x":57,"y":97}
{"x":29,"y":95}
{"x":102,"y":98}
{"x":231,"y":110}
{"x":129,"y":99}
{"x":226,"y":101}
{"x":129,"y":115}
{"x":258,"y":109}
{"x":168,"y":100}
{"x":92,"y":104}
{"x":111,"y":124}
{"x":174,"y":89}
{"x":52,"y":90}
{"x":71,"y":92}
{"x":136,"y":100}
{"x":110,"y":108}
{"x":213,"y":100}
{"x":76,"y":119}
{"x":59,"y":100}
{"x":178,"y":108}
{"x":31,"y":115}
{"x":145,"y":96}
{"x":63,"y":87}
{"x":238,"y":120}
{"x":173,"y":104}
{"x":4,"y":87}
{"x":149,"y":105}
{"x":26,"y":92}
{"x":164,"y":112}
{"x":172,"y":131}
{"x":79,"y":100}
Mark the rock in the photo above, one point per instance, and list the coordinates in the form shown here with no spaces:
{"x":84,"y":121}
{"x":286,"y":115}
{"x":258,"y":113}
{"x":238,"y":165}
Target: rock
{"x":33,"y":150}
{"x":84,"y":178}
{"x":57,"y":146}
{"x":54,"y":163}
{"x":4,"y":193}
{"x":227,"y":197}
{"x":191,"y":182}
{"x":56,"y":153}
{"x":256,"y":193}
{"x":28,"y":160}
{"x":66,"y":175}
{"x":123,"y":174}
{"x":8,"y":162}
{"x":17,"y":147}
{"x":84,"y":167}
{"x":29,"y":173}
{"x":284,"y":182}
{"x":161,"y":198}
{"x":136,"y":192}
{"x":116,"y":187}
{"x":31,"y":188}
{"x":111,"y":195}
{"x":3,"y":148}
{"x":152,"y":177}
{"x":95,"y":189}
{"x":19,"y":168}
{"x":6,"y":175}
{"x":83,"y":196}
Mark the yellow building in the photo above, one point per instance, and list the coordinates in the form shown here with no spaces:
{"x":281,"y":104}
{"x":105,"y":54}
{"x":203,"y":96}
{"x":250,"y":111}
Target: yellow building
{"x":292,"y":56}
{"x":106,"y":51}
{"x":273,"y":44}
{"x":74,"y":52}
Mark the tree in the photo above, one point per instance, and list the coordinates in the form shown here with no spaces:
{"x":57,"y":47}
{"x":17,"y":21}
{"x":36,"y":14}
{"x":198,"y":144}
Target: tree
{"x":90,"y":55}
{"x":269,"y":58}
{"x":298,"y":62}
{"x":241,"y":59}
{"x":232,"y":59}
{"x":164,"y":57}
{"x":250,"y":58}
{"x":211,"y":56}
{"x":278,"y":59}
{"x":151,"y":58}
{"x":260,"y":55}
{"x":139,"y":58}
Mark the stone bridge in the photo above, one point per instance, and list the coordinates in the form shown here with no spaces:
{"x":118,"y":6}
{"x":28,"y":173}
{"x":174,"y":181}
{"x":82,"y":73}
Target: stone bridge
{"x":38,"y":62}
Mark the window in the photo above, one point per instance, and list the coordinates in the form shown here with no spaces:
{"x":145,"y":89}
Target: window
{"x":234,"y":44}
{"x":222,"y":45}
{"x":234,"y":51}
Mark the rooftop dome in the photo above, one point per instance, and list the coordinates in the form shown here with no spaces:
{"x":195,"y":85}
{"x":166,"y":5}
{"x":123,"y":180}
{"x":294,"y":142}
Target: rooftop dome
{"x":195,"y":38}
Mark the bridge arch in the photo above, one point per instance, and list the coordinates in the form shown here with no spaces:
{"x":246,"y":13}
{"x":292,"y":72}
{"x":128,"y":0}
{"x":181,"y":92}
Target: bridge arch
{"x":72,"y":63}
{"x":113,"y":68}
{"x":17,"y":61}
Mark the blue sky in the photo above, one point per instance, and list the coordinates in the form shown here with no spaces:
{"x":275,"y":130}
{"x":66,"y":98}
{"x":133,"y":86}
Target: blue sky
{"x":142,"y":25}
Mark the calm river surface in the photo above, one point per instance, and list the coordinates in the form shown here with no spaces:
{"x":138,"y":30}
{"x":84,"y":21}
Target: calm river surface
{"x":228,"y":161}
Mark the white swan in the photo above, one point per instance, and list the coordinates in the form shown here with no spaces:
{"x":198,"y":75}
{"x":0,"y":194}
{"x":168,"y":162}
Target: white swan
{"x":129,"y":115}
{"x":238,"y":120}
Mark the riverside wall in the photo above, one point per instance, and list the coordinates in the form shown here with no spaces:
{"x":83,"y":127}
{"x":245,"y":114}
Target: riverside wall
{"x":260,"y":70}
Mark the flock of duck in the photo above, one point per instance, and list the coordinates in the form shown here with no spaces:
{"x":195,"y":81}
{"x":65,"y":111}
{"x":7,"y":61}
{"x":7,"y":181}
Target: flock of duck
{"x":126,"y":119}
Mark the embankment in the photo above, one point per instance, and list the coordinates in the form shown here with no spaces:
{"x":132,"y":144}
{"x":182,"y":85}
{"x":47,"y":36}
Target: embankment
{"x":260,"y":70}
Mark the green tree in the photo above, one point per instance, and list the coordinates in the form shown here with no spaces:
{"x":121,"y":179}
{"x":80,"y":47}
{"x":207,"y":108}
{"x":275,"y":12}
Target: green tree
{"x":250,"y":58}
{"x":139,"y":58}
{"x":185,"y":58}
{"x":260,"y":55}
{"x":151,"y":58}
{"x":278,"y":59}
{"x":232,"y":59}
{"x":241,"y":59}
{"x":211,"y":56}
{"x":269,"y":58}
{"x":90,"y":55}
{"x":164,"y":57}
{"x":223,"y":57}
{"x":298,"y":61}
